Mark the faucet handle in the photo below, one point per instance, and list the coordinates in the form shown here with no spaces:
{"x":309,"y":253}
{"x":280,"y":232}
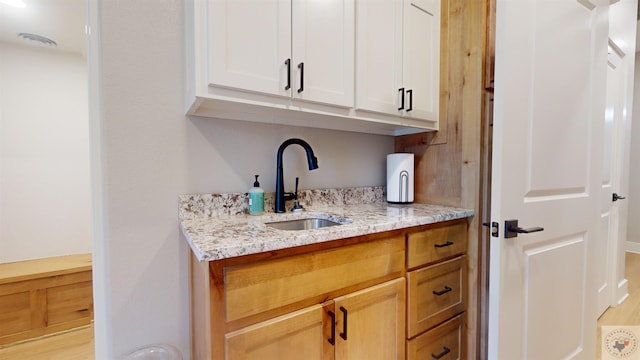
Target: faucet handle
{"x":295,"y":194}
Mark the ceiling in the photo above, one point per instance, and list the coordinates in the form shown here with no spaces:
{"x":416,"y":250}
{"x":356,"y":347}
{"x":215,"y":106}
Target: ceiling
{"x":62,"y":21}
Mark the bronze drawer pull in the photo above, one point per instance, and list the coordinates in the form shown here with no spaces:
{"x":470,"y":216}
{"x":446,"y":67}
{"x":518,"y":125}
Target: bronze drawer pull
{"x":332,"y":339}
{"x":448,"y":243}
{"x":440,"y":293}
{"x":343,"y":334}
{"x":443,"y":353}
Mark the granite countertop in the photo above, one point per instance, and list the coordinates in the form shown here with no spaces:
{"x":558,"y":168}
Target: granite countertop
{"x":216,"y":226}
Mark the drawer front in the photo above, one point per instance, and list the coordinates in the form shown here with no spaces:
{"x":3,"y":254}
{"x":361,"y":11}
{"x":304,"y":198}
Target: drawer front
{"x":429,"y":246}
{"x":436,"y":293}
{"x":445,"y":342}
{"x":258,"y":287}
{"x":73,"y":302}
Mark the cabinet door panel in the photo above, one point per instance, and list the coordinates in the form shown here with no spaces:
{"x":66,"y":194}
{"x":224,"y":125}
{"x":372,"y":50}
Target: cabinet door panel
{"x":379,"y":55}
{"x":298,"y":335}
{"x":422,"y":57}
{"x":249,"y":42}
{"x":375,"y":322}
{"x":323,"y":39}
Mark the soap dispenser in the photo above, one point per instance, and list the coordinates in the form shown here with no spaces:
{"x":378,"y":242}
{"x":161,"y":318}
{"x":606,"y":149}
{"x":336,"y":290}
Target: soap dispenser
{"x":256,"y":198}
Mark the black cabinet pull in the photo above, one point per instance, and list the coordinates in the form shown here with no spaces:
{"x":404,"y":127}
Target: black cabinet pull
{"x":410,"y":92}
{"x":445,"y":351}
{"x":343,"y":334}
{"x":332,"y":339}
{"x":448,"y":243}
{"x":301,"y":67}
{"x":401,"y":90}
{"x":288,"y":64}
{"x":442,"y":292}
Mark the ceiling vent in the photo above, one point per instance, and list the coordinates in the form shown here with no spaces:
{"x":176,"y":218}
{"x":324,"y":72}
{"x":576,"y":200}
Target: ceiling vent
{"x":38,"y":38}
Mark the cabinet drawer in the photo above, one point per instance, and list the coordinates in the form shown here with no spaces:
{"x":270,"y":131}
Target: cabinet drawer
{"x":432,"y":245}
{"x":436,"y":293}
{"x":72,"y":302}
{"x":254,"y":288}
{"x":445,"y":342}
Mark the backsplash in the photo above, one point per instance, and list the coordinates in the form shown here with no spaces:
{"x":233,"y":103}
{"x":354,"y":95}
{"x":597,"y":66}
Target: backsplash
{"x":212,"y":205}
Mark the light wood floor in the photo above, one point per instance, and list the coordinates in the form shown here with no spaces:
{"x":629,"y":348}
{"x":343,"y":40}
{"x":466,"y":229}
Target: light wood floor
{"x":79,"y":345}
{"x":75,"y":344}
{"x":627,"y":313}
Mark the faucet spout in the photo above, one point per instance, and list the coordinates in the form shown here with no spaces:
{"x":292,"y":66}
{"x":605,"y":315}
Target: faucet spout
{"x":281,"y":196}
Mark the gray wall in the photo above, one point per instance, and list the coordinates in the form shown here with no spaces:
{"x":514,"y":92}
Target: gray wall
{"x":146,"y":152}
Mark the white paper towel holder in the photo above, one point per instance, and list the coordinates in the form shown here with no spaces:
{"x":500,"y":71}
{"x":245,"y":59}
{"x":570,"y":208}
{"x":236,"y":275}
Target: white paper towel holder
{"x":400,"y":181}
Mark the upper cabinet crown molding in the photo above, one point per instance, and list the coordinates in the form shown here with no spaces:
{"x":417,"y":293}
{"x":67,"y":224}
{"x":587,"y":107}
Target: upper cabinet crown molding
{"x":296,"y":63}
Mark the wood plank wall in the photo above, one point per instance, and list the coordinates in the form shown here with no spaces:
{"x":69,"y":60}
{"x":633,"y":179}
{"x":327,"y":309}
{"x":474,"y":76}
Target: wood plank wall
{"x":449,"y":164}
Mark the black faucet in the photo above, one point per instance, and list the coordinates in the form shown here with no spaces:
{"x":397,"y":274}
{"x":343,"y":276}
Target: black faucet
{"x":282,"y":196}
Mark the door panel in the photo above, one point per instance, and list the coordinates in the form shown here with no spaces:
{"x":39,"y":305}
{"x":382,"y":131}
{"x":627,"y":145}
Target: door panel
{"x":550,"y":74}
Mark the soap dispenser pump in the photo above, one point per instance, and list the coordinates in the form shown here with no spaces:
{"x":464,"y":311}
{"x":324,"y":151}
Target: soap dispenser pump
{"x":256,"y":198}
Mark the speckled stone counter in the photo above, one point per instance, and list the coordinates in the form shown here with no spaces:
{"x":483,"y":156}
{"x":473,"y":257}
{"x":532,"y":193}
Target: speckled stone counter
{"x":217,"y":226}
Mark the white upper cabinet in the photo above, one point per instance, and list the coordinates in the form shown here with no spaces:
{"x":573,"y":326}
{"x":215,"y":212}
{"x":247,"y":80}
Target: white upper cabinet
{"x":294,"y":62}
{"x":398,"y":52}
{"x":301,"y":49}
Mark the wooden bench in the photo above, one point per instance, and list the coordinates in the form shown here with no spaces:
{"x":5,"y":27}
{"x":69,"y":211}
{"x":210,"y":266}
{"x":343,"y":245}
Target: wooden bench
{"x":44,"y":296}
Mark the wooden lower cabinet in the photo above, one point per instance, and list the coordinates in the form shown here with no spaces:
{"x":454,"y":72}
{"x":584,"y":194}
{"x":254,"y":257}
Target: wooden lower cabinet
{"x":342,"y":300}
{"x":367,"y":324}
{"x":44,"y":296}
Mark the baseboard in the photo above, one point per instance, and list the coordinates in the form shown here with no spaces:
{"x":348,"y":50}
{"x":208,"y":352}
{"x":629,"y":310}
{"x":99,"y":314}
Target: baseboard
{"x":633,"y":247}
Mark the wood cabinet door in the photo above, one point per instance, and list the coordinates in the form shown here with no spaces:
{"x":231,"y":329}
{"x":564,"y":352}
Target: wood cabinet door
{"x":298,"y":335}
{"x":370,"y":324}
{"x":248,"y":44}
{"x":323,"y":41}
{"x":421,"y":75}
{"x":379,"y":56}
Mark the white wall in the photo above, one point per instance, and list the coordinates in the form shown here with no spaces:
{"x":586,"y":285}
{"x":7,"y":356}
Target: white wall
{"x":633,"y":229}
{"x":147,"y":153}
{"x":44,"y":153}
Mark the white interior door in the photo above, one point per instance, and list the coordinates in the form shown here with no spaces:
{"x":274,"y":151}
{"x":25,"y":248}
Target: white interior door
{"x":606,"y":242}
{"x":550,"y":77}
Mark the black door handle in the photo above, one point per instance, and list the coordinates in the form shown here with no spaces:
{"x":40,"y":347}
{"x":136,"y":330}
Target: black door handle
{"x":343,"y":334}
{"x":401,"y":90}
{"x":410,"y":92}
{"x":301,"y":67}
{"x":617,"y":197}
{"x":511,"y":229}
{"x":288,"y":64}
{"x":448,"y":243}
{"x":332,"y":339}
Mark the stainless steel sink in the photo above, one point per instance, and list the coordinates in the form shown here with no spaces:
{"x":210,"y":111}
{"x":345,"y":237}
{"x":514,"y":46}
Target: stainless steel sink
{"x":302,"y":224}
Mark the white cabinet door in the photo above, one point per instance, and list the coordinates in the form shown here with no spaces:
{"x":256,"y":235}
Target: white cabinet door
{"x":422,"y":58}
{"x":248,"y":43}
{"x":398,"y":62}
{"x":323,"y":51}
{"x":379,"y":60}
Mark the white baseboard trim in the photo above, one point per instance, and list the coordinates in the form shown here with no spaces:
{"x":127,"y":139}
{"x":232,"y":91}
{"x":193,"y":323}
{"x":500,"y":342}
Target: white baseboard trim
{"x":633,"y":247}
